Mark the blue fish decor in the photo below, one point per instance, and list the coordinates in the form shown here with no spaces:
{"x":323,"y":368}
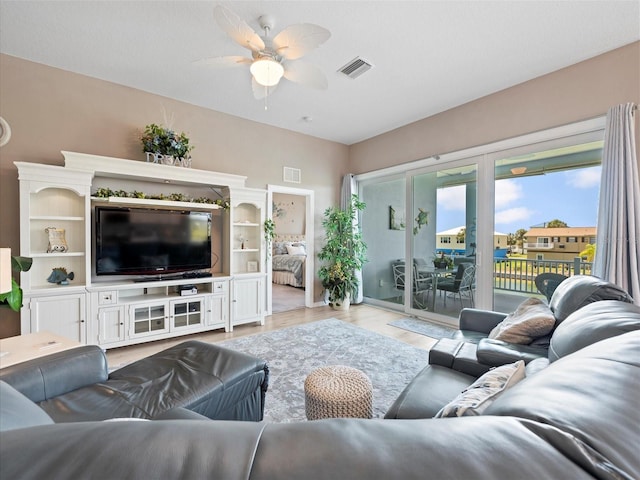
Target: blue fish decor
{"x":60,"y":276}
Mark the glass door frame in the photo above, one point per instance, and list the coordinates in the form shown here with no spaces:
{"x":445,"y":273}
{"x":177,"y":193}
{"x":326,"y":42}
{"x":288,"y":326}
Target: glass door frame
{"x":486,"y":156}
{"x":482,"y":189}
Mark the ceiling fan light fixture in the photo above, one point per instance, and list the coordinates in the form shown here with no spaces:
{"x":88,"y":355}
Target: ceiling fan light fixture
{"x":267,"y":71}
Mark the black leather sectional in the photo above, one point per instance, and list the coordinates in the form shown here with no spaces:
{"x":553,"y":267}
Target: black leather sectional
{"x":75,"y":385}
{"x":574,"y":416}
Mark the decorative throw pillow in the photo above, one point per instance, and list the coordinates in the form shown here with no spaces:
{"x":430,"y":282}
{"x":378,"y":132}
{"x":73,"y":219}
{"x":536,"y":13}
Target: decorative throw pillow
{"x":477,"y":397}
{"x":280,"y":248}
{"x":292,"y":250}
{"x":532,"y":319}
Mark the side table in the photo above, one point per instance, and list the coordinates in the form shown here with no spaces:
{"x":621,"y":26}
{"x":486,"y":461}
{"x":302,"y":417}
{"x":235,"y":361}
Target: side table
{"x":32,"y":345}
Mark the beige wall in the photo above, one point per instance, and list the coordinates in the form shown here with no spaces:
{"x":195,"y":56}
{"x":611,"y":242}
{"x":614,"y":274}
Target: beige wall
{"x":289,"y":214}
{"x":579,"y":92}
{"x":50,"y":110}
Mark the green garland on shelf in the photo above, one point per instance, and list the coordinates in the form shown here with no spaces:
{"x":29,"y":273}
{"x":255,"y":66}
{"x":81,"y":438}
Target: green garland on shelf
{"x":172,"y":197}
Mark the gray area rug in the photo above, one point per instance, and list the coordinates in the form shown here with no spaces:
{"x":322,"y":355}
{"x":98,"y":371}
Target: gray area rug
{"x":423,"y":327}
{"x":292,"y":353}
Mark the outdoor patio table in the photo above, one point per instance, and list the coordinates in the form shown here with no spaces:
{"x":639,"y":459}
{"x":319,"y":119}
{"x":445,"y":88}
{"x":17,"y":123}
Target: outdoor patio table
{"x":435,"y":274}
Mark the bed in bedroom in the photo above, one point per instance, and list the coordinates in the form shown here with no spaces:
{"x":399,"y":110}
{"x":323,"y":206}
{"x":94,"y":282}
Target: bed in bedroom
{"x":288,"y":260}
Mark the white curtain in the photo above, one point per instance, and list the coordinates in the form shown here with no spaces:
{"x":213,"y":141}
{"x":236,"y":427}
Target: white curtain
{"x":617,"y":258}
{"x":349,"y":188}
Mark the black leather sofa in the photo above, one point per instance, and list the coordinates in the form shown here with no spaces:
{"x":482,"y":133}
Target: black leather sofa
{"x":436,"y":385}
{"x":76,"y":386}
{"x":471,"y":351}
{"x":574,"y":416}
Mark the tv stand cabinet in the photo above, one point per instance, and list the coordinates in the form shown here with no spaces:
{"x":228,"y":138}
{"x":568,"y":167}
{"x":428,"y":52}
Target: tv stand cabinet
{"x":134,"y":312}
{"x":118,"y":312}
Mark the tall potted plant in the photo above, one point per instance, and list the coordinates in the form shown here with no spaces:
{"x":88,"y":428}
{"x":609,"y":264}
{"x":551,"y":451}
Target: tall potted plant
{"x":343,"y":254}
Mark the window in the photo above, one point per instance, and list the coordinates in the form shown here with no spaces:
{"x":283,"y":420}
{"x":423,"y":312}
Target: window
{"x":533,"y":184}
{"x":445,"y":240}
{"x":542,"y":241}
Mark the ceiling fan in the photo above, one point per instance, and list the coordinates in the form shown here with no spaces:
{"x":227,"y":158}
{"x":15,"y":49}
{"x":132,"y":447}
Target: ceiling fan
{"x":272,"y":59}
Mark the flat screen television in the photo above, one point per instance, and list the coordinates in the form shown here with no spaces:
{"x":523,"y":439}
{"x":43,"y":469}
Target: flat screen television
{"x":145,"y":241}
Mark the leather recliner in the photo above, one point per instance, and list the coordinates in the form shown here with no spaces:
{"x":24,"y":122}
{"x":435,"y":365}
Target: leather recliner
{"x":471,"y":351}
{"x":436,"y":385}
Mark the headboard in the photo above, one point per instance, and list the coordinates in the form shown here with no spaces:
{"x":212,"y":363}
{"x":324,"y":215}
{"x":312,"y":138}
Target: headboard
{"x":281,"y":240}
{"x":289,"y":237}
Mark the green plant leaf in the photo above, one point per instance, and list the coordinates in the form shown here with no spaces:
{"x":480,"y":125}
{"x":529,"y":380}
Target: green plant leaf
{"x":13,"y":298}
{"x":21,"y":264}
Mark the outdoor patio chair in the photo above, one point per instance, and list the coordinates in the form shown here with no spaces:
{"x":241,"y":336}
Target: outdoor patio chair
{"x":546,"y":283}
{"x":397,"y":267}
{"x":462,"y":282}
{"x":421,"y":284}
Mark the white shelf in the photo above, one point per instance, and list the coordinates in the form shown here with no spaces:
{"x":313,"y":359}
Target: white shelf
{"x":245,"y":224}
{"x":159,"y":203}
{"x":239,"y":250}
{"x":54,"y":218}
{"x":54,"y":288}
{"x":57,"y":254}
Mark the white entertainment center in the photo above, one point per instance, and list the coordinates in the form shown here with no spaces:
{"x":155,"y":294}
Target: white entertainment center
{"x":114,"y":311}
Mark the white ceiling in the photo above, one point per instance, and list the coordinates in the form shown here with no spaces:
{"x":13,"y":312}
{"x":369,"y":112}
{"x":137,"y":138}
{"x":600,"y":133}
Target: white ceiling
{"x":429,"y":56}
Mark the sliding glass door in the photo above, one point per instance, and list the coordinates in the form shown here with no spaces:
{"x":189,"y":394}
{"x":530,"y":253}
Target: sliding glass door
{"x":430,"y":213}
{"x":474,"y":228}
{"x":443,"y":240}
{"x":383,"y":228}
{"x":546,"y":206}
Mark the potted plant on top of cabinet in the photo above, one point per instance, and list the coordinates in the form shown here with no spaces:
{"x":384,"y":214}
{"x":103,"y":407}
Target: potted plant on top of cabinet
{"x":343,"y":254}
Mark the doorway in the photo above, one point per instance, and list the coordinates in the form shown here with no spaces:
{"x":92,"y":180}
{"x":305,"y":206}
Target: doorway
{"x":290,"y":265}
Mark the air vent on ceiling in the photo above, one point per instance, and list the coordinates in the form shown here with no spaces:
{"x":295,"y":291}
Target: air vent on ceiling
{"x":292,"y":175}
{"x":356,"y":67}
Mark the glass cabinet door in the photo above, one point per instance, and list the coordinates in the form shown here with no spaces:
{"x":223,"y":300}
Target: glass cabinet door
{"x":187,"y":313}
{"x":148,"y":319}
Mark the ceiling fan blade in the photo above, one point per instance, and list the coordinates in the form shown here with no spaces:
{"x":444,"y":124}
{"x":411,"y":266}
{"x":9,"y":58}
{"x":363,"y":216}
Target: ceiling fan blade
{"x":306,"y":74}
{"x":237,"y":29}
{"x":297,"y":40}
{"x":224,"y":62}
{"x":260,"y":91}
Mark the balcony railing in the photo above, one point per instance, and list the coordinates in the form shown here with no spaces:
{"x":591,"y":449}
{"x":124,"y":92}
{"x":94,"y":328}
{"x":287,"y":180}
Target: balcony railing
{"x":518,"y":274}
{"x":538,"y":245}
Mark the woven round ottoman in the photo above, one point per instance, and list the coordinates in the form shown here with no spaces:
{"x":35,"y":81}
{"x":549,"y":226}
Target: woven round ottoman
{"x":337,"y":391}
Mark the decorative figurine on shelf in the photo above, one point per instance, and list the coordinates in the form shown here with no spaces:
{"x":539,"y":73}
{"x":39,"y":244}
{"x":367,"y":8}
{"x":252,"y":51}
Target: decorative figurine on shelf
{"x":60,"y":276}
{"x":57,"y":242}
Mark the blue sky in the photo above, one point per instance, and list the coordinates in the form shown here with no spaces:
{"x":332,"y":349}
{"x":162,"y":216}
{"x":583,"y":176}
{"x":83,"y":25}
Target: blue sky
{"x":521,"y":202}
